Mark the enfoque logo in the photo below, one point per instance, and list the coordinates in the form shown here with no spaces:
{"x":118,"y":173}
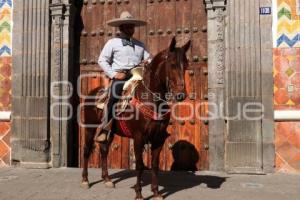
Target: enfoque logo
{"x":192,"y":109}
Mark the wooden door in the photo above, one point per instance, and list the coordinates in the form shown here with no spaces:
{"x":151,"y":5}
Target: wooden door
{"x":184,"y":18}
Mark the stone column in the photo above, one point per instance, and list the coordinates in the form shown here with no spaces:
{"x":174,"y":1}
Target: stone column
{"x":61,"y":111}
{"x":30,"y":139}
{"x":249,"y":87}
{"x":216,"y":52}
{"x":268,"y":133}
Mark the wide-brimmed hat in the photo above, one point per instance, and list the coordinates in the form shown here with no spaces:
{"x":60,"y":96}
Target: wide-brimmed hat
{"x":126,"y":18}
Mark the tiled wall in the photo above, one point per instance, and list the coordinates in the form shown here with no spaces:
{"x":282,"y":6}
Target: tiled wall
{"x":287,"y":78}
{"x":288,"y":146}
{"x":5,"y":77}
{"x":287,"y":84}
{"x":288,"y":24}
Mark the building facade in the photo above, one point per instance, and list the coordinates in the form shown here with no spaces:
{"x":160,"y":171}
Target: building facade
{"x":244,"y":57}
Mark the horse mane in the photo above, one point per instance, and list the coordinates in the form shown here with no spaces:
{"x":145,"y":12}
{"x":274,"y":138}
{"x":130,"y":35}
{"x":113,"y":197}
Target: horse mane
{"x":153,"y":66}
{"x":159,"y":55}
{"x":158,"y":58}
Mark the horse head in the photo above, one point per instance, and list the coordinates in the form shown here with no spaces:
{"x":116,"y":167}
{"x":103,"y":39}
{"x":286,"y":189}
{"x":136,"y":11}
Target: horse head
{"x":175,"y":65}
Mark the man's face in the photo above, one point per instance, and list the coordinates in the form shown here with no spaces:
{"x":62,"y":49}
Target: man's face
{"x":128,"y":29}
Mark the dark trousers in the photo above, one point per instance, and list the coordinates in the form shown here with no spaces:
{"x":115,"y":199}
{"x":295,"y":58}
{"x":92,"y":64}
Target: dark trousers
{"x":115,"y":95}
{"x":107,"y":122}
{"x":116,"y":90}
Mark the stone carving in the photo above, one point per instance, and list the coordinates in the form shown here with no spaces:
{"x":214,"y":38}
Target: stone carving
{"x":56,"y":1}
{"x":57,"y":14}
{"x":215,"y":10}
{"x":220,"y":51}
{"x":215,"y":4}
{"x":218,"y":7}
{"x":57,"y":39}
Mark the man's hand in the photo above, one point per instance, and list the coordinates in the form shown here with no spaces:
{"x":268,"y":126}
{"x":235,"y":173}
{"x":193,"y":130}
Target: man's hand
{"x":145,"y":62}
{"x":120,"y":76}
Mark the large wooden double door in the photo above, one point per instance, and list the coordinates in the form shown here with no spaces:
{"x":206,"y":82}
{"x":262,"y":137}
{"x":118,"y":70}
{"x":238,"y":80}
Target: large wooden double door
{"x":184,"y":18}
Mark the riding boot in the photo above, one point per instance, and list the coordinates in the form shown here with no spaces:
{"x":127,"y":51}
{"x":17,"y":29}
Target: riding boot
{"x":103,"y":132}
{"x":105,"y":126}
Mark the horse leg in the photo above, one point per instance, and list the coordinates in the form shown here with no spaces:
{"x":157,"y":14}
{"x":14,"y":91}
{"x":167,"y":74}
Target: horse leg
{"x":104,"y":148}
{"x":138,"y":151}
{"x":154,"y":171}
{"x":88,"y":147}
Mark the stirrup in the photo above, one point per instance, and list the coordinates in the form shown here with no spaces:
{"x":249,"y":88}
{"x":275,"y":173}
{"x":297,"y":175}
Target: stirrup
{"x":102,"y":137}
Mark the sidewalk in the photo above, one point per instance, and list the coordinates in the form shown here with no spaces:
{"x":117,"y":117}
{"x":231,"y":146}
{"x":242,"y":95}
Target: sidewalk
{"x":64,"y":183}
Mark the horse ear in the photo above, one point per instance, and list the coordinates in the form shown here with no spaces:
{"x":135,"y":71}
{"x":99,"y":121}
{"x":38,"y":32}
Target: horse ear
{"x":173,"y":44}
{"x":187,"y":46}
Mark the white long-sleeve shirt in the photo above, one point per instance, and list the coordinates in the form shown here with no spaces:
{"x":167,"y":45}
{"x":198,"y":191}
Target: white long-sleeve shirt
{"x":115,"y":57}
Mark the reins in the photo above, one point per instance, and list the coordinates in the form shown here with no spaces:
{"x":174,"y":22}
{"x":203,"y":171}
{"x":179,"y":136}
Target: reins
{"x":153,"y":93}
{"x":148,"y":112}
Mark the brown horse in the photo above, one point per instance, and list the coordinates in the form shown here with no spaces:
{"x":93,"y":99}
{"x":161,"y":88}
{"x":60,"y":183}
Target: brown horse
{"x":163,"y":77}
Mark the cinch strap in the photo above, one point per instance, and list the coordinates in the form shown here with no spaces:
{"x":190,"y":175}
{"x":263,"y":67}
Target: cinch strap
{"x":125,"y":129}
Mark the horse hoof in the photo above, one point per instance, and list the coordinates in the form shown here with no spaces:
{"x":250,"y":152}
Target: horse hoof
{"x":109,"y":184}
{"x":158,"y":198}
{"x":85,"y":185}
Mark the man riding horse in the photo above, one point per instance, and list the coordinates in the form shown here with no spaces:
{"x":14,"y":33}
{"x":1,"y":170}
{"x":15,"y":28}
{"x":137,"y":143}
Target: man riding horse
{"x":150,"y":101}
{"x":118,"y":56}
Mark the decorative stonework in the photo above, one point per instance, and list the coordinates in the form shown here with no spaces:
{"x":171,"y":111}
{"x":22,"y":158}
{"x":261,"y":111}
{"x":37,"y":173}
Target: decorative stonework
{"x":57,"y":14}
{"x":220,"y":46}
{"x":216,"y":11}
{"x":216,"y":55}
{"x":59,"y":104}
{"x":215,"y":4}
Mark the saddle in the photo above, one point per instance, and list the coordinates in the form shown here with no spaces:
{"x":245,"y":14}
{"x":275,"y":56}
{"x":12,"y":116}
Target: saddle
{"x":103,"y":94}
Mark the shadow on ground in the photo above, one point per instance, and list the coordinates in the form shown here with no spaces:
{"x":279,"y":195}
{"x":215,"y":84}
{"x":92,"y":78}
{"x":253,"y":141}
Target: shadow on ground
{"x":171,"y":182}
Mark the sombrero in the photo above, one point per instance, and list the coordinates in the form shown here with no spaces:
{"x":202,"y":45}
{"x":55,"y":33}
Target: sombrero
{"x":126,"y":18}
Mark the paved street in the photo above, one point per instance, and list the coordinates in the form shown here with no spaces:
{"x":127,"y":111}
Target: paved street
{"x":64,"y":183}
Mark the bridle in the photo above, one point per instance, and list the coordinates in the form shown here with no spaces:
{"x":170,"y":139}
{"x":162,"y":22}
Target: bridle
{"x":169,"y":90}
{"x":167,"y":85}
